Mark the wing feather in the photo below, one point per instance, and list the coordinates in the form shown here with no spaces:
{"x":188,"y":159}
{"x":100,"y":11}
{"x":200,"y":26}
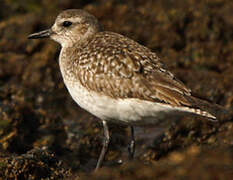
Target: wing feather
{"x":121,"y":68}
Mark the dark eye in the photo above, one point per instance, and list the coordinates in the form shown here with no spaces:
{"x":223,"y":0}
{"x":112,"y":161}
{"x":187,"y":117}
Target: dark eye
{"x":66,"y":23}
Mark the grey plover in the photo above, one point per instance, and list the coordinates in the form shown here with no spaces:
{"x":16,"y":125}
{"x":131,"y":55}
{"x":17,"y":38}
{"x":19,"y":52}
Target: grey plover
{"x":117,"y":79}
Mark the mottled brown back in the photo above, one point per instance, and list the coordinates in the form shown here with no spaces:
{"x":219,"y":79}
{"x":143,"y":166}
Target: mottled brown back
{"x":119,"y":67}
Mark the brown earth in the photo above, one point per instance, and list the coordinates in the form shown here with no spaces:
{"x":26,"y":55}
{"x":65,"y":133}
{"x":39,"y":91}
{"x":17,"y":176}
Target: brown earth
{"x":44,"y":134}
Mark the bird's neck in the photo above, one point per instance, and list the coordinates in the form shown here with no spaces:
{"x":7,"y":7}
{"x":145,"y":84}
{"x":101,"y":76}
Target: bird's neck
{"x":79,"y":40}
{"x":66,"y":61}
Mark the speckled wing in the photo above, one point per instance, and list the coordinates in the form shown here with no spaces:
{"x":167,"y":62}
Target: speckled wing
{"x":119,"y":67}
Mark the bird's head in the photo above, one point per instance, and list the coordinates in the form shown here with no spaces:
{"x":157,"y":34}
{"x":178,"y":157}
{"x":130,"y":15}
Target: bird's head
{"x":71,"y":26}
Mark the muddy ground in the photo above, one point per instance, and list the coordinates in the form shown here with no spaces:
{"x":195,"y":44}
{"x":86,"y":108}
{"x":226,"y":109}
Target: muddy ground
{"x":45,"y":135}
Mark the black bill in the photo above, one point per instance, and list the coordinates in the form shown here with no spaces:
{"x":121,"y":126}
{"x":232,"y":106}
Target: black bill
{"x":42,"y":34}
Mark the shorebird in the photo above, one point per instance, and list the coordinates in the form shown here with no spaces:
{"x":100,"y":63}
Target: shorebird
{"x":117,"y":79}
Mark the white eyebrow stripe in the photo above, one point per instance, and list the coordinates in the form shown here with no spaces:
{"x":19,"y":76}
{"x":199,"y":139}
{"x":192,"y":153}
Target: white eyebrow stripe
{"x":72,"y":19}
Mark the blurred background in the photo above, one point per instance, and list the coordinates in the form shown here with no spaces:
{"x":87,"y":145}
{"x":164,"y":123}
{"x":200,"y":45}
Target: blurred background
{"x":44,"y":134}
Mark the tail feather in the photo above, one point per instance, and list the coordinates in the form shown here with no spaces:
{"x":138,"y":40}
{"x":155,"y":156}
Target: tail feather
{"x":200,"y":112}
{"x":204,"y":108}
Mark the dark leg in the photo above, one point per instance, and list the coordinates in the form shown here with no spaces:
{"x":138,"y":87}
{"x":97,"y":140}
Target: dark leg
{"x":105,"y":145}
{"x":131,"y":147}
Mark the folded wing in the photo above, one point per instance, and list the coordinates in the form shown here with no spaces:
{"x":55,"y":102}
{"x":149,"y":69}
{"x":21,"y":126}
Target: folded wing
{"x":121,"y":68}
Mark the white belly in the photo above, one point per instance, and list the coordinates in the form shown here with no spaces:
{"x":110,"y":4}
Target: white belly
{"x":125,"y":111}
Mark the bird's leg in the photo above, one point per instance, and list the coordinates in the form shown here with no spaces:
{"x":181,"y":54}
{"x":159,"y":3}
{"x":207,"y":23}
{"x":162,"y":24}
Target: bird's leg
{"x":105,"y":145}
{"x":131,"y":147}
